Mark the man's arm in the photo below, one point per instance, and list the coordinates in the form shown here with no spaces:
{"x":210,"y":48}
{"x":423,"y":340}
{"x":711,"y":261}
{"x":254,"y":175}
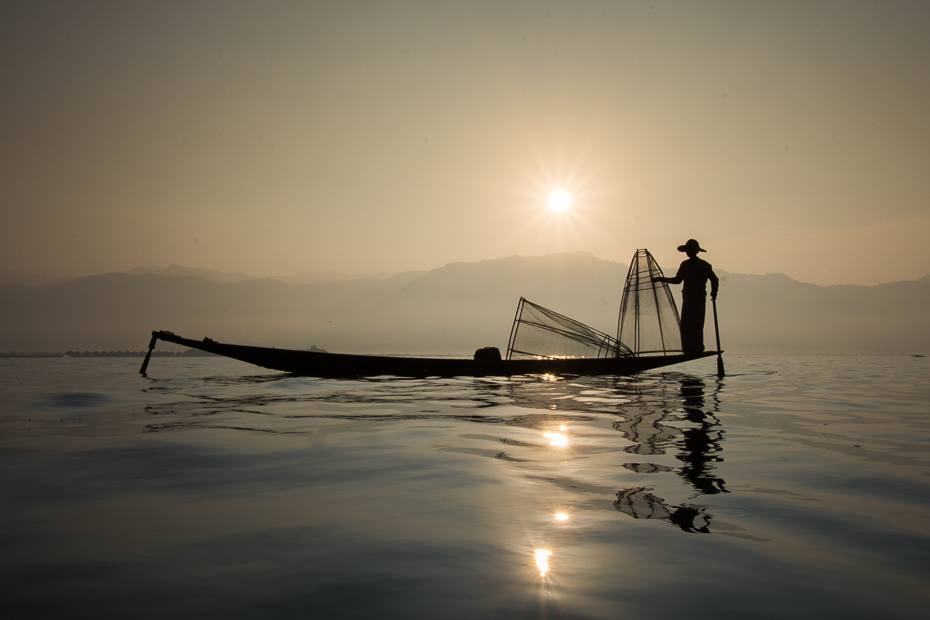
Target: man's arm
{"x":676,"y":280}
{"x":714,"y":284}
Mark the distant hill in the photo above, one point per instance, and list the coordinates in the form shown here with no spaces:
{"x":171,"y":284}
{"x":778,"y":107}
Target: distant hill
{"x":454,"y":309}
{"x":773,"y":313}
{"x":320,"y":277}
{"x":197,"y":272}
{"x":303,"y":277}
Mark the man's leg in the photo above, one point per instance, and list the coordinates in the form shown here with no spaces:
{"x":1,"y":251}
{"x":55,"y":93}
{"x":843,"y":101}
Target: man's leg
{"x":692,"y":327}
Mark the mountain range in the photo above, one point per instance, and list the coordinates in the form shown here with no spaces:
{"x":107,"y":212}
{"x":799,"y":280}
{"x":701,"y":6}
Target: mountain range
{"x":302,"y":277}
{"x":453,"y":309}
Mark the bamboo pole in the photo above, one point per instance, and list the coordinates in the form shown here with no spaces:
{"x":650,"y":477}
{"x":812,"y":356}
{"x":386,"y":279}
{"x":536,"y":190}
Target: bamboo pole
{"x":720,"y":371}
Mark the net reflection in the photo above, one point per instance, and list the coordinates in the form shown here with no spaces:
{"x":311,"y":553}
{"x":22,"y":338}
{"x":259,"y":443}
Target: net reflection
{"x":641,"y":503}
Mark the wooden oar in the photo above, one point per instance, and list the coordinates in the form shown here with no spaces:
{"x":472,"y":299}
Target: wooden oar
{"x":720,"y":372}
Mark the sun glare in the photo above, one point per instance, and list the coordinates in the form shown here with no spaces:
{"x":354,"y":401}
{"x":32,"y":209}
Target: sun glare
{"x":560,"y":200}
{"x":542,"y":560}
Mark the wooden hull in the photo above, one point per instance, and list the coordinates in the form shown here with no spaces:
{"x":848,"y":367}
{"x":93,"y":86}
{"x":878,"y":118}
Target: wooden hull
{"x":319,"y":364}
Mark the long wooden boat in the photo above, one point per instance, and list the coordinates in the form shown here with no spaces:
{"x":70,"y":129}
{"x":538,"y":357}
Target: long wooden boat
{"x":321,"y":364}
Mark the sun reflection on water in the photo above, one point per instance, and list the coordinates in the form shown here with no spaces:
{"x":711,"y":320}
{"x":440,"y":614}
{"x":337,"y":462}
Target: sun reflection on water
{"x":542,"y":560}
{"x":556,"y":439}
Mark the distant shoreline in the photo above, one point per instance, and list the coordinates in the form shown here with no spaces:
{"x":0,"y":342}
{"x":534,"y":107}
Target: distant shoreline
{"x":188,"y":353}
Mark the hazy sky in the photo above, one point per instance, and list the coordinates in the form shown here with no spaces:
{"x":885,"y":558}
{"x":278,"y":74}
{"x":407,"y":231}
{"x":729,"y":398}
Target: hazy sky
{"x":277,"y":137}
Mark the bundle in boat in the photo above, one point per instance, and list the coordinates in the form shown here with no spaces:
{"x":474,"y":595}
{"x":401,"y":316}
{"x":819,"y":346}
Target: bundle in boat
{"x":538,"y":332}
{"x":649,"y":322}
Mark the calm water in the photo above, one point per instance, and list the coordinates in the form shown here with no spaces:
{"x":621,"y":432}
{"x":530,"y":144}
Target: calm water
{"x":797,"y":487}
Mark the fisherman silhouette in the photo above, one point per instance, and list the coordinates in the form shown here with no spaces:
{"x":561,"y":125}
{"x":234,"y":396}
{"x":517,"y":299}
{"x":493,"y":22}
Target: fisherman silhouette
{"x":695,"y":273}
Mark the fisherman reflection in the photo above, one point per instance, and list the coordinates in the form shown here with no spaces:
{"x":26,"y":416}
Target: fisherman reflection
{"x":694,"y":273}
{"x":700,"y":445}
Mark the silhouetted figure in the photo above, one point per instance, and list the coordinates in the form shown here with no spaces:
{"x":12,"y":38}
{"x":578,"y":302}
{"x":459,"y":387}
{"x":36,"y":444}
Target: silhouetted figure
{"x":694,"y":273}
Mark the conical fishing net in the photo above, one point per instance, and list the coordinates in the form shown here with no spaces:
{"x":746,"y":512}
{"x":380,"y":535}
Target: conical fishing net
{"x":649,"y":323}
{"x":540,"y":332}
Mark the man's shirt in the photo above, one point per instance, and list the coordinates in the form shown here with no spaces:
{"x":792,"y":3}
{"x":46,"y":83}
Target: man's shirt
{"x":694,"y":274}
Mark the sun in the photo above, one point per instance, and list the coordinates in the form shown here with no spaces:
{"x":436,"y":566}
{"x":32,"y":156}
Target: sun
{"x":559,"y":200}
